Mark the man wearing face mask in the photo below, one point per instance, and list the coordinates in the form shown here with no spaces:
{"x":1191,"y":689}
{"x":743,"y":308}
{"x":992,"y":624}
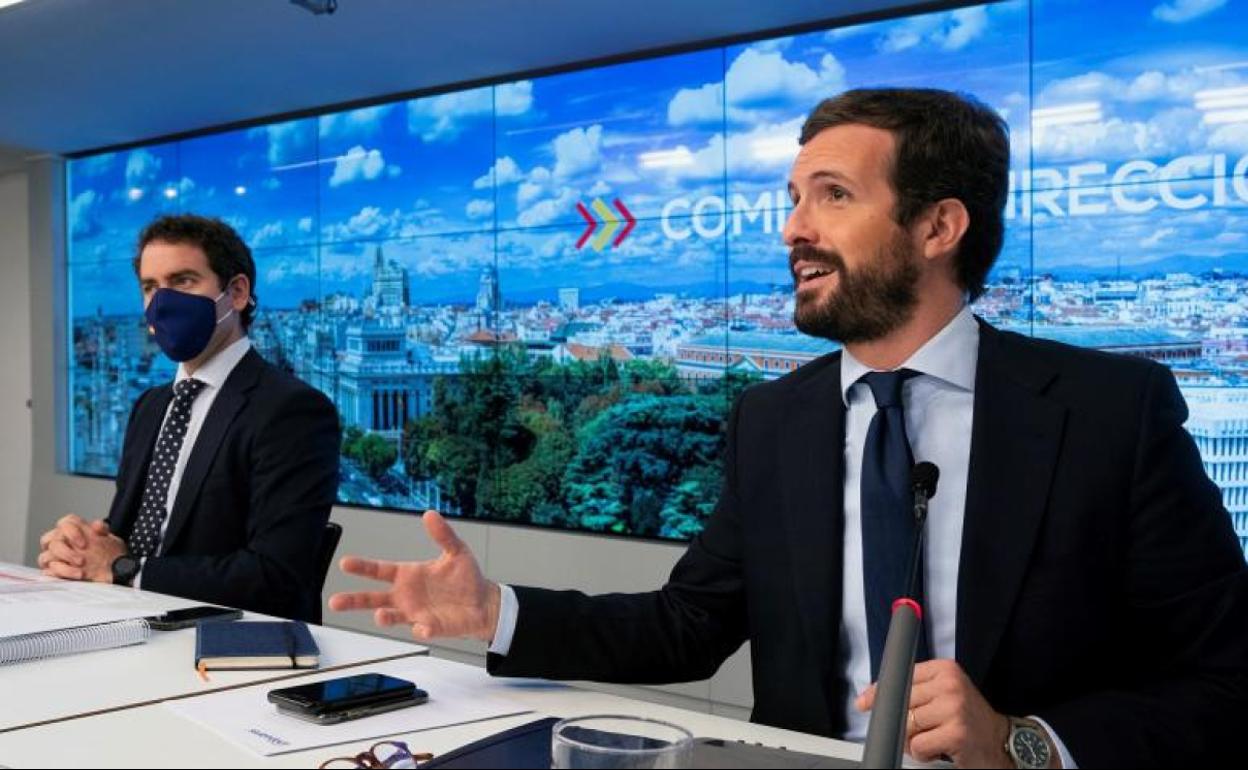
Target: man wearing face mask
{"x":227,"y":474}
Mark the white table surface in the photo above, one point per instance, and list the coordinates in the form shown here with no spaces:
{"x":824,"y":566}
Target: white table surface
{"x":164,"y":667}
{"x":153,"y":736}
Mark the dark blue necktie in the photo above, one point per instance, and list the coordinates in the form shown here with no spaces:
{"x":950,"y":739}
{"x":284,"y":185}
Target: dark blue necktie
{"x":888,"y":525}
{"x":145,"y":537}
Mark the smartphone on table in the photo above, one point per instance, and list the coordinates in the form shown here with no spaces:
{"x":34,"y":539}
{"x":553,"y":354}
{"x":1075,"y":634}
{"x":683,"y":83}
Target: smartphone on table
{"x":190,"y":616}
{"x":350,"y":697}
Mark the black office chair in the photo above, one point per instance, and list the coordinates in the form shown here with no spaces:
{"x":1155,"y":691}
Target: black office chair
{"x":329,"y":544}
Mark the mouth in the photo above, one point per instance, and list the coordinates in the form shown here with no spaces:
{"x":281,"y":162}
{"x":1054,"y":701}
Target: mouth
{"x":808,"y":275}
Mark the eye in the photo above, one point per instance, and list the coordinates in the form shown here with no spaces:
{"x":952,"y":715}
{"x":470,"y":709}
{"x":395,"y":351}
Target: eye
{"x":837,"y":193}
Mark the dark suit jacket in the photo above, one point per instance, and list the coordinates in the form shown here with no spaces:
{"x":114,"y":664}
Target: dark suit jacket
{"x":1101,"y":585}
{"x":254,"y":498}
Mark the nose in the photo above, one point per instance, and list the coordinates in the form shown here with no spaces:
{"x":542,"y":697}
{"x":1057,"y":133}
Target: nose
{"x":797,"y":228}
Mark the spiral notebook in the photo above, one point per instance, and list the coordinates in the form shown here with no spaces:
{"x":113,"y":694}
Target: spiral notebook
{"x":69,"y":641}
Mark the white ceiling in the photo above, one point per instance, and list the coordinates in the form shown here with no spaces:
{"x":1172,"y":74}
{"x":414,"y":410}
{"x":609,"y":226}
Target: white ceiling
{"x":84,"y":74}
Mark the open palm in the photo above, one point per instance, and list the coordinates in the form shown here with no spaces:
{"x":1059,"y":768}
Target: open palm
{"x":443,"y":597}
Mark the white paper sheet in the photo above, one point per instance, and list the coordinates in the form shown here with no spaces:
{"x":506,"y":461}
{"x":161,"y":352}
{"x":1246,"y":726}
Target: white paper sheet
{"x":31,"y":603}
{"x":244,"y":717}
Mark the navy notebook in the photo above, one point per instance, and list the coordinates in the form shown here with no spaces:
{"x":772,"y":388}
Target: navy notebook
{"x":258,"y":644}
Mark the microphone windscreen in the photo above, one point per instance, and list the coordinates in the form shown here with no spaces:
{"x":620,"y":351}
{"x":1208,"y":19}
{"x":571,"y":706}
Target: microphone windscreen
{"x":923,"y":479}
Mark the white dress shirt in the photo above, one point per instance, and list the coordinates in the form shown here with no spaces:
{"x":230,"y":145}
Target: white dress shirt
{"x":213,"y":374}
{"x":939,"y":408}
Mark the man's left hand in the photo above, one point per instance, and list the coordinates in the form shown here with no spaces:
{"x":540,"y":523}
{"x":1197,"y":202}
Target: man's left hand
{"x":91,"y":556}
{"x":948,"y":717}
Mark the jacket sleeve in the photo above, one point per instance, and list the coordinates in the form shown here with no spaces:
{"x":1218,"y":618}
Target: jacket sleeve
{"x":1187,"y":592}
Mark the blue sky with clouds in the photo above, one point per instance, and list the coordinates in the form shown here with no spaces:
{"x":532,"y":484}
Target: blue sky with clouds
{"x":449,"y":183}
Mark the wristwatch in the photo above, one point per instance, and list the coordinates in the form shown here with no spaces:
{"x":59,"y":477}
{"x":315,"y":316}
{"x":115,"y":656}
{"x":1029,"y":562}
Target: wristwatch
{"x":125,"y":567}
{"x":1028,"y":744}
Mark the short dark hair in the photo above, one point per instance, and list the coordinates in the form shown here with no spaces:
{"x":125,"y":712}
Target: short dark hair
{"x":227,"y":254}
{"x":949,"y":145}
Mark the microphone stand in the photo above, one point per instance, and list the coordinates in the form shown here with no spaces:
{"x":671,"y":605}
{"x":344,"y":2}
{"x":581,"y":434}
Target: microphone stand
{"x":886,"y":732}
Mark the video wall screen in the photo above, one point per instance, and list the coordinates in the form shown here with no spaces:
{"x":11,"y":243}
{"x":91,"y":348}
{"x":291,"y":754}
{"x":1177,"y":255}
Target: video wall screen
{"x":535,"y":301}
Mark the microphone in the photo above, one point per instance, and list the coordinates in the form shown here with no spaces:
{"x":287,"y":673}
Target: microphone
{"x":886,"y":732}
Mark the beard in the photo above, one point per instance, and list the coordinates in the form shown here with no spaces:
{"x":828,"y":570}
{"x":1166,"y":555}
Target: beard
{"x":868,"y":303}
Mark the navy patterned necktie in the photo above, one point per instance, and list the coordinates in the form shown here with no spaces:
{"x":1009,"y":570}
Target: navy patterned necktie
{"x":888,"y":526}
{"x":145,"y":536}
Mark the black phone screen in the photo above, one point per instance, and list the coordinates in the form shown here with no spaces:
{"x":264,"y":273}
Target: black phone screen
{"x":195,"y":613}
{"x":345,"y":691}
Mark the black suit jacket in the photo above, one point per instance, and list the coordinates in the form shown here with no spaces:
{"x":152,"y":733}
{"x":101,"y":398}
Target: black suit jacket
{"x":250,"y":512}
{"x":1101,"y":585}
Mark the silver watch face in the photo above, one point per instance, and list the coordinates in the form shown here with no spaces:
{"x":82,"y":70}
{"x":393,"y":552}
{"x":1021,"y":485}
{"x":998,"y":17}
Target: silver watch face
{"x":1030,"y":748}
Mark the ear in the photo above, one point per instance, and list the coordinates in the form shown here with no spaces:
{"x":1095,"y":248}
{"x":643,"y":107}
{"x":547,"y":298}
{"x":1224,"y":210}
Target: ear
{"x":943,"y":227}
{"x":240,"y":292}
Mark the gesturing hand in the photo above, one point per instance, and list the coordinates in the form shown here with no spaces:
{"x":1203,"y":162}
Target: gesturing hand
{"x":443,"y":597}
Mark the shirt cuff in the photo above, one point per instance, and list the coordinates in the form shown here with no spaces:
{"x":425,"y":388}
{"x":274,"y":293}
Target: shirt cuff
{"x":1068,"y":762}
{"x":138,"y":576}
{"x":508,"y":612}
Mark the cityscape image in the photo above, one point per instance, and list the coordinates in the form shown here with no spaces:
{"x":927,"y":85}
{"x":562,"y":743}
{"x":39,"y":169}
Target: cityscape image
{"x":536,"y":301}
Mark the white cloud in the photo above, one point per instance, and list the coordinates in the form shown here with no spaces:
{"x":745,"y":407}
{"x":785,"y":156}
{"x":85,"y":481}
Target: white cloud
{"x":845,"y":33}
{"x":764,"y":78}
{"x":950,"y":31}
{"x":439,"y":118}
{"x":1232,"y":137}
{"x":290,"y":142}
{"x":369,"y":222}
{"x":599,"y":189}
{"x":357,"y":164}
{"x":358,"y":124}
{"x":528,"y":192}
{"x":268,"y":234}
{"x":692,"y":106}
{"x":81,"y":215}
{"x":95,"y":165}
{"x":1149,"y":86}
{"x":1179,"y":11}
{"x":305,"y":225}
{"x":548,"y":210}
{"x":504,"y":172}
{"x":479,"y":208}
{"x":758,"y":77}
{"x":512,"y":99}
{"x":968,"y":24}
{"x":1157,"y":237}
{"x":577,"y":151}
{"x":393,"y":171}
{"x":141,"y":168}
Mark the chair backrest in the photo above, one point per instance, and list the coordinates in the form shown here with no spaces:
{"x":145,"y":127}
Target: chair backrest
{"x":329,"y":544}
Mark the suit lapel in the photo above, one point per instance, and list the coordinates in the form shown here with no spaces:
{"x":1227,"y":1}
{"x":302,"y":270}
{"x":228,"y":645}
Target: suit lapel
{"x":231,"y":400}
{"x":148,"y":420}
{"x":1015,"y":440}
{"x":813,"y":479}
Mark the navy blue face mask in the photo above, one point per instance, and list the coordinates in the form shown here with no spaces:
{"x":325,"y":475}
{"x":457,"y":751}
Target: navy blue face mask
{"x":183,"y":323}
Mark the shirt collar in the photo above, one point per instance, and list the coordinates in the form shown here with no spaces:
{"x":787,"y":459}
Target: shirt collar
{"x":951,"y":356}
{"x":215,"y":371}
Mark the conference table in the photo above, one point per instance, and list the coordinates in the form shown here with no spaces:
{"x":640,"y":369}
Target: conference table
{"x":126,"y":707}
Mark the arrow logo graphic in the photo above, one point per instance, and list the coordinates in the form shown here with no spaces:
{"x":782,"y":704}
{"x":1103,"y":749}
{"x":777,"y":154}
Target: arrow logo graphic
{"x":611,"y":223}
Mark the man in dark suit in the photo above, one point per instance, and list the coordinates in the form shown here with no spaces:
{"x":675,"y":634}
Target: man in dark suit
{"x":228,"y":473}
{"x":1085,"y":594}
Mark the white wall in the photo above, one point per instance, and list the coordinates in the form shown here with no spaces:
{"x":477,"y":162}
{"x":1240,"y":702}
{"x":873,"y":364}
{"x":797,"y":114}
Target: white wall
{"x":14,"y":363}
{"x":510,"y":554}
